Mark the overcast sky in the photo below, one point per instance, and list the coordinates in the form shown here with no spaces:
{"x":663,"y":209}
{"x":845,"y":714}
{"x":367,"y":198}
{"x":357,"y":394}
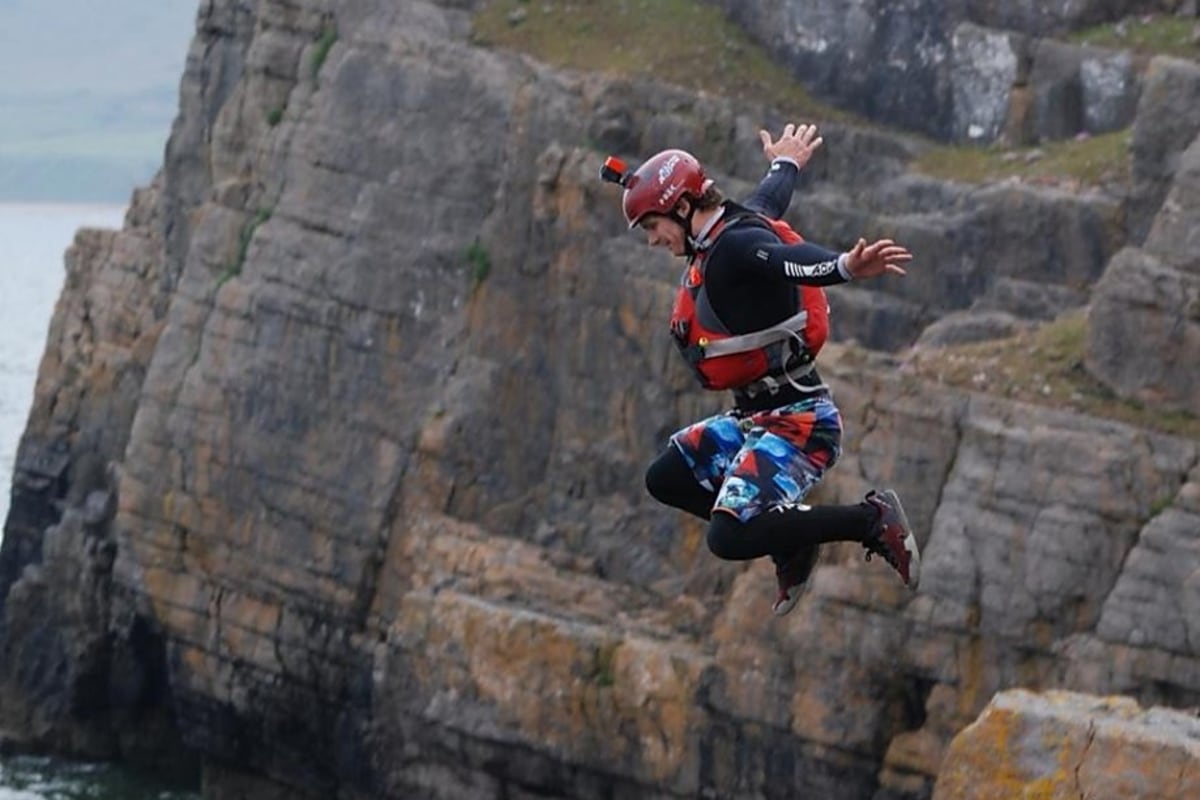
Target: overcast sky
{"x":51,"y":46}
{"x":88,"y":90}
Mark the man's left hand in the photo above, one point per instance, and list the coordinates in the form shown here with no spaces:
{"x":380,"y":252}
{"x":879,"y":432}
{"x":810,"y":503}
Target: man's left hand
{"x":874,"y":259}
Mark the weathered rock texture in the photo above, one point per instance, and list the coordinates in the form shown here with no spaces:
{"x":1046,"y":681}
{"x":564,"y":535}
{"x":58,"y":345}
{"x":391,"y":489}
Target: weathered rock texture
{"x":1145,"y":317}
{"x":969,"y":70}
{"x":1102,"y":748}
{"x":333,"y":480}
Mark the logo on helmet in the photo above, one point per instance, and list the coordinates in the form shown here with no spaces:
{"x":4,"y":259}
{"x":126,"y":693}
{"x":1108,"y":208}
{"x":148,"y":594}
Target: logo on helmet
{"x":667,"y":193}
{"x":666,"y":169}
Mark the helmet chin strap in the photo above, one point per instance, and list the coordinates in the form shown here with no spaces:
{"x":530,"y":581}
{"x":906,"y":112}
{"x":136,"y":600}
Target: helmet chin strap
{"x":689,"y":243}
{"x":704,"y":239}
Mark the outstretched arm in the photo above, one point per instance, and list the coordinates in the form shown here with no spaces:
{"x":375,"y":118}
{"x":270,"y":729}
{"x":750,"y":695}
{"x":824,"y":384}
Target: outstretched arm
{"x":874,"y":259}
{"x":797,"y":142}
{"x":811,"y":264}
{"x":788,"y":154}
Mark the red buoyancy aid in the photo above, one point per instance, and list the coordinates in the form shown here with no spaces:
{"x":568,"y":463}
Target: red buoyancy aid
{"x":722,"y":360}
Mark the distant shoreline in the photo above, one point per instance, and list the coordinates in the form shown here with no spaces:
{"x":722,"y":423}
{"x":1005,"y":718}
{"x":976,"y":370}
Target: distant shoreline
{"x":81,"y":179}
{"x":97,"y":205}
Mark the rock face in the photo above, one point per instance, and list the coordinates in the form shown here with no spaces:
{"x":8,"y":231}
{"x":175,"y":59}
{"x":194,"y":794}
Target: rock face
{"x":968,"y":70}
{"x":1145,"y":316}
{"x":333,"y":481}
{"x":1104,"y":748}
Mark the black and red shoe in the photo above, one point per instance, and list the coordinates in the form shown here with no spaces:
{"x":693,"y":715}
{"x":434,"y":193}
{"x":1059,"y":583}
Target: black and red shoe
{"x":893,"y":539}
{"x":792,"y":576}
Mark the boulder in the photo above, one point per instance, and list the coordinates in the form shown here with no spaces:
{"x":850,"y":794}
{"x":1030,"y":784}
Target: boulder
{"x":1063,"y":745}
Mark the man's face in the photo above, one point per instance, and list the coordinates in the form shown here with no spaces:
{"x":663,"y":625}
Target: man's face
{"x":663,"y":232}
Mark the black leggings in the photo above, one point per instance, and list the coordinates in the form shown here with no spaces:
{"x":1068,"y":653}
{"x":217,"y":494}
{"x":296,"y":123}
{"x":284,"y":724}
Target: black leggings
{"x":779,"y":533}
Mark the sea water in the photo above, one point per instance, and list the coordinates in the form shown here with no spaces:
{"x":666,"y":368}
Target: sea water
{"x":36,"y":778}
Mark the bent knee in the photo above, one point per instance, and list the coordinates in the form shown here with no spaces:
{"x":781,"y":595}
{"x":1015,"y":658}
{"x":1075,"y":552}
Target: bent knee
{"x":668,"y":477}
{"x":656,"y":485}
{"x":724,"y":537}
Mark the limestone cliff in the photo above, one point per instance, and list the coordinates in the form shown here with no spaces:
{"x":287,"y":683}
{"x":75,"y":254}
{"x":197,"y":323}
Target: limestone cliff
{"x":333,"y":478}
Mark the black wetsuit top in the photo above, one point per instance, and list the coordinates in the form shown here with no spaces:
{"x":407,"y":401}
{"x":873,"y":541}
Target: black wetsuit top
{"x":750,"y":275}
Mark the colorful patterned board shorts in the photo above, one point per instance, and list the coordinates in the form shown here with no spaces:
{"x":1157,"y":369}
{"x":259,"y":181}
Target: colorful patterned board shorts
{"x":766,"y":459}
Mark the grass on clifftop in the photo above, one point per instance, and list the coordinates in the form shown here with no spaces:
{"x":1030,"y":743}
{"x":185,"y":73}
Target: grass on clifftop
{"x":684,"y":42}
{"x":1149,"y":35}
{"x":690,"y":43}
{"x":1043,"y":366}
{"x":1086,"y":161}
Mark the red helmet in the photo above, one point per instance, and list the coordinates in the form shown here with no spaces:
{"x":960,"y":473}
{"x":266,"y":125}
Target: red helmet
{"x":660,"y":182}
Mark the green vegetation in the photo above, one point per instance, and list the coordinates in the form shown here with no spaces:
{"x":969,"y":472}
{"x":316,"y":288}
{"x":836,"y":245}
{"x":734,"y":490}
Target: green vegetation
{"x":274,"y":116}
{"x":480,"y":263}
{"x":603,"y":667}
{"x":685,"y":42}
{"x":1090,"y":161}
{"x":229,"y":273}
{"x":235,"y":269}
{"x":325,"y":41}
{"x":1044,"y":367}
{"x":1160,"y":505}
{"x":1149,"y":35}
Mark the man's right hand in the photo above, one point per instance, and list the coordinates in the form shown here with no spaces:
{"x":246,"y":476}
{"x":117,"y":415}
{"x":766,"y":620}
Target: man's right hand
{"x":797,"y":142}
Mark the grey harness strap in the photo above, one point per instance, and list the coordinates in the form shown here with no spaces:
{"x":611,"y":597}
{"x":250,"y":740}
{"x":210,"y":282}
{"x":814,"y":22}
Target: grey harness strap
{"x":790,"y":328}
{"x":772,"y":385}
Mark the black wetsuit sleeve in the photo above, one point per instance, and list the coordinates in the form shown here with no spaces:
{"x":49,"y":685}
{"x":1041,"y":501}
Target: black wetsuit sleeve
{"x":758,"y":251}
{"x":773,"y":194}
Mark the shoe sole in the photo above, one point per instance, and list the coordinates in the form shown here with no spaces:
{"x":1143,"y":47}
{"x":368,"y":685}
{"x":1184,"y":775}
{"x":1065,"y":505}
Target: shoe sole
{"x":783,"y":608}
{"x":910,"y":541}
